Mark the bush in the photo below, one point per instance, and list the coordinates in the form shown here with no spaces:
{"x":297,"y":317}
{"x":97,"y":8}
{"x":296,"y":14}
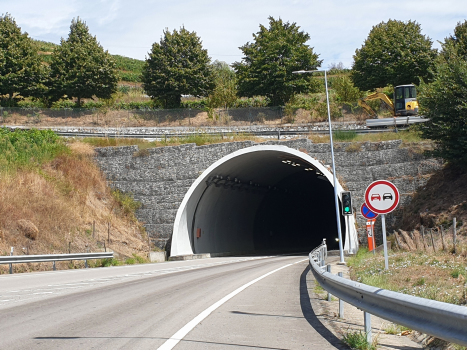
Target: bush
{"x":126,"y":203}
{"x":345,"y":90}
{"x":322,"y":110}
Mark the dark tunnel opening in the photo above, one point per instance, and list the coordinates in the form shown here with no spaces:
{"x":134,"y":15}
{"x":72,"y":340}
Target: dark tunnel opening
{"x":299,"y":218}
{"x":262,"y":202}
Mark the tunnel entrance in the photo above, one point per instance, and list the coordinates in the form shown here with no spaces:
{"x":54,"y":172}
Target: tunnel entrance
{"x":260,"y":200}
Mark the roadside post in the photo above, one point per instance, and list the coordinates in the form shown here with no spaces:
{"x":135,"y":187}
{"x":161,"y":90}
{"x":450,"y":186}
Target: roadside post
{"x":11,"y":265}
{"x":382,"y":197}
{"x":370,"y":226}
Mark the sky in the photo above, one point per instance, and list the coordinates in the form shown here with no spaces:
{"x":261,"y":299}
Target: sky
{"x":129,"y":28}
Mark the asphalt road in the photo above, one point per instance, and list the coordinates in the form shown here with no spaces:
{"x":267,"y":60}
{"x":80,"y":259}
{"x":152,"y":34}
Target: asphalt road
{"x":218,"y":303}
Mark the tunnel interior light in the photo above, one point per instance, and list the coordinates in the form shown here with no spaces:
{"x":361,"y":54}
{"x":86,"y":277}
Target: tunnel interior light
{"x":228,"y":182}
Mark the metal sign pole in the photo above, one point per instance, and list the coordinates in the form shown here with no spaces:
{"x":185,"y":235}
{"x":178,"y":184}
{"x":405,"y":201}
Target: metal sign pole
{"x":385,"y":246}
{"x":373,"y":233}
{"x":347,"y":232}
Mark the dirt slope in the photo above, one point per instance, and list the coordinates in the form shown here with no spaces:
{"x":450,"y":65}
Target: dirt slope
{"x":52,"y":210}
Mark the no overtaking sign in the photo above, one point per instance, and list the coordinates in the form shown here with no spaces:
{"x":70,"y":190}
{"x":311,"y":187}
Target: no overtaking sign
{"x":382,"y":197}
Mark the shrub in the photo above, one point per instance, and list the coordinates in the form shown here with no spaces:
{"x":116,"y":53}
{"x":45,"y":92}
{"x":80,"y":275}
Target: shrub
{"x":126,"y":203}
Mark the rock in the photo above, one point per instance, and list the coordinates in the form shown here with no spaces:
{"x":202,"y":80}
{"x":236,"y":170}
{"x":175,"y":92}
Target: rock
{"x":28,"y":229}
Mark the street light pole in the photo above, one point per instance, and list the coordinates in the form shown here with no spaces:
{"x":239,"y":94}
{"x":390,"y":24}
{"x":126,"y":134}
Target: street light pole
{"x":336,"y":198}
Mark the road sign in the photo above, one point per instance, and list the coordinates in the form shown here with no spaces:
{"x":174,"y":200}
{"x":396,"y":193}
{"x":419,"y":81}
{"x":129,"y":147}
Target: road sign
{"x":382,"y":197}
{"x":367,"y":213}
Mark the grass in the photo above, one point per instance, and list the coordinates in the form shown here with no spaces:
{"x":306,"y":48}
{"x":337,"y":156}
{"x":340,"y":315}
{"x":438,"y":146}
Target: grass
{"x":437,"y":276}
{"x":392,"y":328}
{"x":357,"y":340}
{"x":198,"y":139}
{"x":343,"y":135}
{"x":408,"y":137}
{"x":21,"y":149}
{"x":206,"y":139}
{"x":135,"y":259}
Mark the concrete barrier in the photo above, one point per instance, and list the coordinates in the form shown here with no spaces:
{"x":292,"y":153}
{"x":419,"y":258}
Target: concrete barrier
{"x":157,"y":256}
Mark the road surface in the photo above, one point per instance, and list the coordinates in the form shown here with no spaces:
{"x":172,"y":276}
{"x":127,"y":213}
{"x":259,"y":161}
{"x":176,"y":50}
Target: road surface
{"x":217,"y":303}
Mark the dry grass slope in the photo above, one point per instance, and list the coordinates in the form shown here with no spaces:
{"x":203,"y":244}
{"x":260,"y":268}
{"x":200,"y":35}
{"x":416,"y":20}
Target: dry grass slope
{"x":62,"y":199}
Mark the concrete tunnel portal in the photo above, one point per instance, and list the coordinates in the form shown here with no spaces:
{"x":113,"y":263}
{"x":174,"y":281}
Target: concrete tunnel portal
{"x":260,"y":200}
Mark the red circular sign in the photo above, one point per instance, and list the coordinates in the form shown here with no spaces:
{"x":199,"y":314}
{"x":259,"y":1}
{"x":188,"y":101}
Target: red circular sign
{"x":381,"y":197}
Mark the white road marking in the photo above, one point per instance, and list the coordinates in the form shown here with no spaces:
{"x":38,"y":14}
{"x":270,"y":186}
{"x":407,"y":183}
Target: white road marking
{"x":31,"y":294}
{"x":179,"y":335}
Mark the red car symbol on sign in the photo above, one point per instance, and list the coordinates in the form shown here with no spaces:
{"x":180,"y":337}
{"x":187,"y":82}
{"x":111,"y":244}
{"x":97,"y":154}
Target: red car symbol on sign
{"x":375,"y":196}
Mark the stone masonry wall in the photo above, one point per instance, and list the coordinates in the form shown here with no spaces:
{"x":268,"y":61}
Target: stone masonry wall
{"x":160,"y":177}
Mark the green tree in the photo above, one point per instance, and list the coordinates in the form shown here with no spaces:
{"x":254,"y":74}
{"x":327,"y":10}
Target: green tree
{"x":21,"y":71}
{"x":444,"y":102}
{"x":458,"y":40}
{"x":268,"y":62}
{"x":177,"y":65}
{"x":225,"y":82}
{"x":81,"y":68}
{"x":394,"y":53}
{"x":345,"y":90}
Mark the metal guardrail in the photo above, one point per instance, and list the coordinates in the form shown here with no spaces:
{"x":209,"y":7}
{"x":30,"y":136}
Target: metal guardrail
{"x":441,"y":320}
{"x":272,"y":133}
{"x":16,"y":259}
{"x":395,"y":122}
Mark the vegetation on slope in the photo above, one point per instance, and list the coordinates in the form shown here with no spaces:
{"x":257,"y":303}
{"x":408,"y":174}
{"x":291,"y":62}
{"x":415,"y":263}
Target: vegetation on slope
{"x":128,"y":69}
{"x":48,"y":204}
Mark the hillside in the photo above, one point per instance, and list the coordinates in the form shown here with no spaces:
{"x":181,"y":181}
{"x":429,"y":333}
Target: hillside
{"x":51,"y":194}
{"x":129,"y":69}
{"x":442,"y":198}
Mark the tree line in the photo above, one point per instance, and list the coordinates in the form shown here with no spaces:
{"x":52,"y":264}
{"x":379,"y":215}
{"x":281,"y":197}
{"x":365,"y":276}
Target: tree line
{"x":394,"y":53}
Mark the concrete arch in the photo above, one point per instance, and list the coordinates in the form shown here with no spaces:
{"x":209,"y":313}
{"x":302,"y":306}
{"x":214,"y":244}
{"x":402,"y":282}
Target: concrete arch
{"x":265,"y":198}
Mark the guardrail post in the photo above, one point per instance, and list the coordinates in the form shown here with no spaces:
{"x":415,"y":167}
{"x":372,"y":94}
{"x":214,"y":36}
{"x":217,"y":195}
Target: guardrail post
{"x":86,"y":264}
{"x":328,"y":269}
{"x":54,"y":268}
{"x":11,"y":265}
{"x":341,"y":302}
{"x":367,"y":321}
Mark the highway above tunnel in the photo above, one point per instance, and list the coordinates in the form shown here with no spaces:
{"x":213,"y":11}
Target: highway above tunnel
{"x":217,"y":303}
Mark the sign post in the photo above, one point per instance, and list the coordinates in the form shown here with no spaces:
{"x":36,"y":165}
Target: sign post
{"x":370,"y":226}
{"x":382,"y":197}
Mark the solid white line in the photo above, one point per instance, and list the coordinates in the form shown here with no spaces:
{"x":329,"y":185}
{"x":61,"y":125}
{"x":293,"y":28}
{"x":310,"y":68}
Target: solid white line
{"x":175,"y":339}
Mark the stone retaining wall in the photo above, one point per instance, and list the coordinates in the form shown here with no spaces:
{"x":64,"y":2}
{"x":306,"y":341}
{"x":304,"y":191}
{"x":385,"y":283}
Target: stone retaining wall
{"x":160,"y":177}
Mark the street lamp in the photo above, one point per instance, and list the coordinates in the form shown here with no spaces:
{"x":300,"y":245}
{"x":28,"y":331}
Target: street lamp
{"x":336,"y":200}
